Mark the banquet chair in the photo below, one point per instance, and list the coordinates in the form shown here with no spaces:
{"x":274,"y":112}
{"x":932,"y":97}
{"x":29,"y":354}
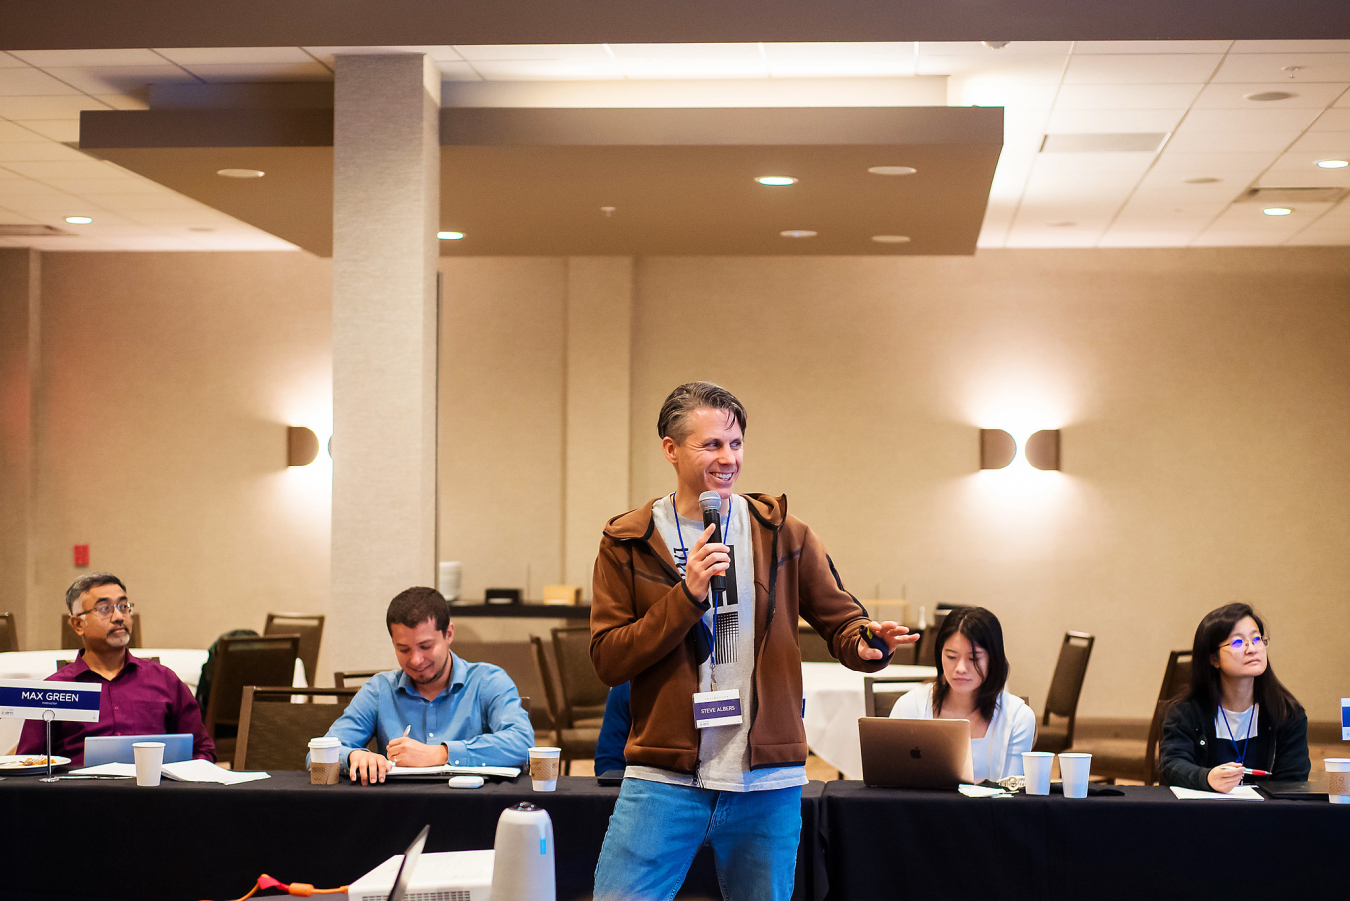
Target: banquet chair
{"x":72,"y":642}
{"x":577,"y":739}
{"x":241,"y":661}
{"x":354,"y":678}
{"x":9,"y":633}
{"x":274,"y":731}
{"x":926,"y":655}
{"x":309,"y":626}
{"x":517,"y":658}
{"x":1130,"y":758}
{"x":879,"y":703}
{"x":1066,"y":685}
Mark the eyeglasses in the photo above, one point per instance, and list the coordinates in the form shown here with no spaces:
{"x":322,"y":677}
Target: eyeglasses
{"x":105,"y":609}
{"x":1238,"y":645}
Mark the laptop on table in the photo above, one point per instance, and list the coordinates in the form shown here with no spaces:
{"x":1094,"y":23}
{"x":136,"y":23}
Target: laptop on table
{"x":117,"y":748}
{"x":899,"y":753}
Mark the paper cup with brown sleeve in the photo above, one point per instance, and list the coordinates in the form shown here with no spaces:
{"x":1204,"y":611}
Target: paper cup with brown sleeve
{"x":1338,"y":779}
{"x":324,"y":760}
{"x":544,"y":766}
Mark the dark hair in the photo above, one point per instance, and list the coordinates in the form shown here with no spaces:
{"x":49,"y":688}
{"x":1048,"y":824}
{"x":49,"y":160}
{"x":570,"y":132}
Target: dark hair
{"x":981,"y":629}
{"x":86,"y":582}
{"x":414,"y":606}
{"x":672,"y":422}
{"x":1276,"y":701}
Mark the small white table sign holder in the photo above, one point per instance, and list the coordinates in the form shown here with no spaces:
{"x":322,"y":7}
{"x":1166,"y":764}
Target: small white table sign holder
{"x":32,"y":699}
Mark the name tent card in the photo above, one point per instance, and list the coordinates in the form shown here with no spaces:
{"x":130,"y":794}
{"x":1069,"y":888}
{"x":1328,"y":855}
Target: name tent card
{"x":31,"y":699}
{"x":1345,"y":719}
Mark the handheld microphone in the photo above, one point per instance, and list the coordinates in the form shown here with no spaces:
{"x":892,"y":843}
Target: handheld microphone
{"x":711,"y":502}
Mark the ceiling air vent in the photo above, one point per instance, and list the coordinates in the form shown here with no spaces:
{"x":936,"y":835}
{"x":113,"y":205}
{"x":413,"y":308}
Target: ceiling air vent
{"x":1293,"y":195}
{"x":31,"y":231}
{"x":1103,"y":143}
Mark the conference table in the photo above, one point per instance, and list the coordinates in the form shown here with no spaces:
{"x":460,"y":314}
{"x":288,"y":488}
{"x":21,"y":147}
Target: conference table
{"x":859,"y":843}
{"x":834,"y":702}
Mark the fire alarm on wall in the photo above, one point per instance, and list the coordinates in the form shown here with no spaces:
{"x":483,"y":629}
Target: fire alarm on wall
{"x":81,"y":555}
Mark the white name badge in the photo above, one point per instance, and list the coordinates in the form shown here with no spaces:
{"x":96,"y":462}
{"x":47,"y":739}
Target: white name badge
{"x":717,"y":708}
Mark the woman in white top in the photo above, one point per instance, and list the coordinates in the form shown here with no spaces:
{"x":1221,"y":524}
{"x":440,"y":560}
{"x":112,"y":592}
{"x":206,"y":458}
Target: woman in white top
{"x":972,"y":671}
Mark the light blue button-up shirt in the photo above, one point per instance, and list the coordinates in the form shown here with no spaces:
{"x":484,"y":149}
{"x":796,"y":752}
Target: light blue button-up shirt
{"x":477,"y":717}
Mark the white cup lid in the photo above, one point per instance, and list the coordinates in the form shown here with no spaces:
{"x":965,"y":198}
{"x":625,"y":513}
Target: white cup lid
{"x":326,"y":741}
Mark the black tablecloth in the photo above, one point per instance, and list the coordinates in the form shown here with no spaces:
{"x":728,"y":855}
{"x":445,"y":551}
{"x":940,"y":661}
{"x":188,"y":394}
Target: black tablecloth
{"x":1144,"y":843}
{"x":81,"y":840}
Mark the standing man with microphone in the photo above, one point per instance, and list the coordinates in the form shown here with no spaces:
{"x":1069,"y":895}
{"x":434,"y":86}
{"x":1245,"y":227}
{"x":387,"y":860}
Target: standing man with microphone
{"x":696,"y":599}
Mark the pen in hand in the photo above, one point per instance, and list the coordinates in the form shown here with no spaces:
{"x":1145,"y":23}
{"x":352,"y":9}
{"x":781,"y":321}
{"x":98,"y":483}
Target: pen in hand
{"x":406,"y":730}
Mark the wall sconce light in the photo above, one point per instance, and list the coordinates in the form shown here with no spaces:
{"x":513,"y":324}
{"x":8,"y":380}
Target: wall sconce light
{"x":997,"y":448}
{"x":1042,"y":449}
{"x":302,"y":446}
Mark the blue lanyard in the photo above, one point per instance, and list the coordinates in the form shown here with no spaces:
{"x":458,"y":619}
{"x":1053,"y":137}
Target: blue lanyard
{"x":726,"y":534}
{"x":1250,"y":719}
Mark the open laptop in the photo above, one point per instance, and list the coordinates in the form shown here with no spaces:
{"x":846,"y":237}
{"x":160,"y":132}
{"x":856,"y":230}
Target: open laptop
{"x":900,"y":753}
{"x":117,"y":748}
{"x":405,"y":869}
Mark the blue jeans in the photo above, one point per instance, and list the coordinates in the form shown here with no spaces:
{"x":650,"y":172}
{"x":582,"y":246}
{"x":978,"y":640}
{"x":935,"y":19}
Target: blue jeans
{"x":657,"y":829}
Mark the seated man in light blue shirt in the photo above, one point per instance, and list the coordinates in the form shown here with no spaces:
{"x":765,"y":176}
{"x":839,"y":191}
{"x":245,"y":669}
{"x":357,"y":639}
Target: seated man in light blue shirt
{"x":435,"y":709}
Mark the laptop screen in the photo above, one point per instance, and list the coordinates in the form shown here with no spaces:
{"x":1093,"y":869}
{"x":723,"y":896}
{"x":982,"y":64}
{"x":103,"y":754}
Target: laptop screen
{"x":405,"y":869}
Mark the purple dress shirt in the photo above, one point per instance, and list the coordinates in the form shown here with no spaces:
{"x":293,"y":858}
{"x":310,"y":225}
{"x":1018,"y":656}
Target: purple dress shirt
{"x":145,"y":698}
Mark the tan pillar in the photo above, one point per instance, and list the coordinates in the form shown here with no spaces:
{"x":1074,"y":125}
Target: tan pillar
{"x":20,"y":305}
{"x":386,"y":200}
{"x":596,"y":471}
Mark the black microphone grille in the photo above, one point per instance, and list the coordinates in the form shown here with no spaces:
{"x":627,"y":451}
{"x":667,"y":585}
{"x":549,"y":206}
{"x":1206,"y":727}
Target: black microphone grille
{"x":710,"y":500}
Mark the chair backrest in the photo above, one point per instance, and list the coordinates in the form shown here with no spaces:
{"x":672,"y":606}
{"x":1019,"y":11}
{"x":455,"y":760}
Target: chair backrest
{"x":583,"y":694}
{"x":1176,"y":679}
{"x":927,"y":652}
{"x":1066,"y":685}
{"x":70,"y":641}
{"x":814,"y":648}
{"x":879,"y":703}
{"x":247,"y":660}
{"x":354,"y":678}
{"x":547,"y":680}
{"x":9,"y":633}
{"x":274,"y":732}
{"x":517,"y":658}
{"x":309,"y":626}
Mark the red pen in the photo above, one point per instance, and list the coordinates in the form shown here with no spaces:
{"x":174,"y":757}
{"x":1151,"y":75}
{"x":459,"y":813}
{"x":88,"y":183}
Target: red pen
{"x":1251,"y":772}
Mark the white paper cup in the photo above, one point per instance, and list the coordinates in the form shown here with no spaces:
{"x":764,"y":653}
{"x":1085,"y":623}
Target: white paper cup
{"x":1037,"y":766}
{"x":324,"y":760}
{"x":450,"y":574}
{"x":1073,"y":769}
{"x":544,"y":766}
{"x":149,"y":761}
{"x":1338,"y":779}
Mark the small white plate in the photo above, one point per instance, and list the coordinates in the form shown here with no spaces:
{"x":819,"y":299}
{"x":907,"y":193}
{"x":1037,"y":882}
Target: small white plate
{"x":12,"y":764}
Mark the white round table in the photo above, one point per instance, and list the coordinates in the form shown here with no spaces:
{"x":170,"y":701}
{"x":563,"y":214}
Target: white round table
{"x":834,"y":704}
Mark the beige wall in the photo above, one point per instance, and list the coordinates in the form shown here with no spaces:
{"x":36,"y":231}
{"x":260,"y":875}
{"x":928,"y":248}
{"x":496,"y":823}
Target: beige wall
{"x":20,"y":275}
{"x":1204,"y":397}
{"x":169,"y":382}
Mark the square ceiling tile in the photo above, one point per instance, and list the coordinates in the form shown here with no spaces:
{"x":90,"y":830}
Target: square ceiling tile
{"x":1179,"y":195}
{"x":862,"y":67}
{"x":1262,"y":120}
{"x":659,"y":68}
{"x":1333,"y":120}
{"x":1289,"y":175}
{"x":45,"y":59}
{"x":1241,"y":160}
{"x":1330,"y":144}
{"x":236,"y":72}
{"x":34,"y":151}
{"x":1291,"y":47}
{"x":225,"y":56}
{"x":28,"y":82}
{"x":1232,"y":95}
{"x":546,"y":69}
{"x":120,"y":79}
{"x":10,"y":62}
{"x":475,"y":52}
{"x":1320,"y":237}
{"x":20,"y":108}
{"x":12,"y":132}
{"x":1033,"y":69}
{"x":1285,"y":67}
{"x":1085,"y":48}
{"x":63,"y":130}
{"x":1248,"y":217}
{"x":110,"y":183}
{"x":80,"y":168}
{"x":687,"y":51}
{"x":1180,"y":68}
{"x":1195,"y":141}
{"x":1127,"y":96}
{"x":1109,"y":121}
{"x":1019,"y":98}
{"x":1122,"y":238}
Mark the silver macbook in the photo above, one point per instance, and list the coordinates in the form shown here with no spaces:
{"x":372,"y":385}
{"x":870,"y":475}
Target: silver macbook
{"x":900,"y":753}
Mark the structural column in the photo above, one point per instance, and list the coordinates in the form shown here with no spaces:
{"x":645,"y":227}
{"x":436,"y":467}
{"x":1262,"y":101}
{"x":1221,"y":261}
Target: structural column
{"x":599,"y":387}
{"x":20,"y":297}
{"x":386,"y":199}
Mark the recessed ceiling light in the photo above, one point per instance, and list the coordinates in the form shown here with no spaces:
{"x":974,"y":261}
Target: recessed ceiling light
{"x":995,"y":45}
{"x":450,"y":236}
{"x":1203,"y":180}
{"x":891,"y":239}
{"x":892,"y":170}
{"x":776,"y":181}
{"x":240,"y":173}
{"x":1332,"y":164}
{"x":1265,"y":96}
{"x":798,"y":233}
{"x":1277,"y":211}
{"x":79,"y":220}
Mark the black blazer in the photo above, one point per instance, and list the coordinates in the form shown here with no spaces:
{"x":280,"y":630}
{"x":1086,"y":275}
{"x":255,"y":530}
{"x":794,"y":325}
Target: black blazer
{"x":1189,"y":749}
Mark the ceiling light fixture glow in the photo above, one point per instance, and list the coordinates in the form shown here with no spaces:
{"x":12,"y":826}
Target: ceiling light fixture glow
{"x":891,"y":239}
{"x":892,"y":170}
{"x":1332,"y":164}
{"x":1277,"y":211}
{"x":776,"y":181}
{"x":798,"y":233}
{"x":450,"y":236}
{"x":240,"y":173}
{"x":79,"y":220}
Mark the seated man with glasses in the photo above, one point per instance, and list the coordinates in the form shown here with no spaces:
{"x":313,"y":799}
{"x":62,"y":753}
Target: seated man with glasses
{"x":139,"y":697}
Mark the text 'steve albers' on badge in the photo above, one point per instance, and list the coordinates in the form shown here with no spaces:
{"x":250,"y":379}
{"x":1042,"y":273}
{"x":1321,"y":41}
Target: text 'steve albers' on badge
{"x":717,"y":708}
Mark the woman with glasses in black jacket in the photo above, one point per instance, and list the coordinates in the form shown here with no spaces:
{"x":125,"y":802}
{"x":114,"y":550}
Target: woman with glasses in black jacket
{"x":1237,"y":716}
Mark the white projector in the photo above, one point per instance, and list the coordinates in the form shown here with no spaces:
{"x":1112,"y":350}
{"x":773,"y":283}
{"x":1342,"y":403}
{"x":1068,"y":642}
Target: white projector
{"x":443,"y":876}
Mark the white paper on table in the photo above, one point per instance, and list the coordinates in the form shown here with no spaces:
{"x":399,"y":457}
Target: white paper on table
{"x":1241,"y":793}
{"x":107,"y":769}
{"x":206,"y":771}
{"x":506,"y":772}
{"x":981,"y":791}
